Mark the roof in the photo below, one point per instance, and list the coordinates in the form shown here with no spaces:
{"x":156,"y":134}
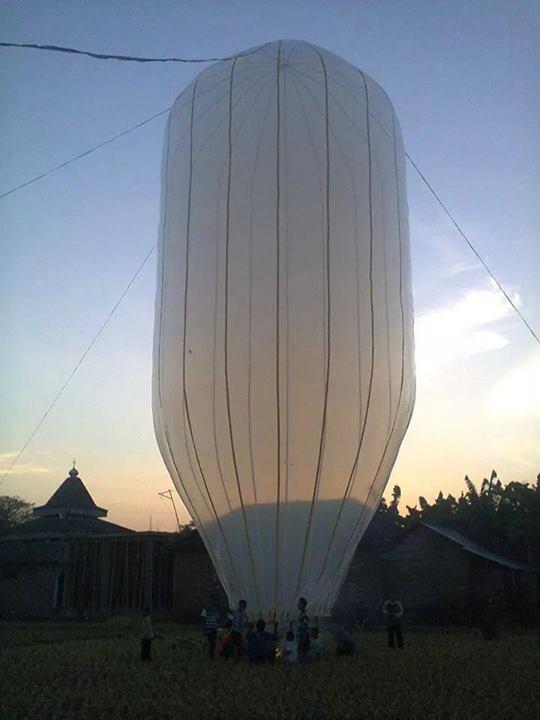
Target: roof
{"x":55,"y":526}
{"x":474,"y":547}
{"x":71,"y":498}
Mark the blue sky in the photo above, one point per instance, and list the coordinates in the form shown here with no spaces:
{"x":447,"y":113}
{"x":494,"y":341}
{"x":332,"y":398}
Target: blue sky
{"x":464,"y":80}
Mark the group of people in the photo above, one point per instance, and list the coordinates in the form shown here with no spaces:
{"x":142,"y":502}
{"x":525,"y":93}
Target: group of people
{"x":301,"y":642}
{"x":235,"y":636}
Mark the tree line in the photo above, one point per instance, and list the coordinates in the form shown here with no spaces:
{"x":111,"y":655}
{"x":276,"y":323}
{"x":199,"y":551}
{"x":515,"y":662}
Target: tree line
{"x":504,"y":517}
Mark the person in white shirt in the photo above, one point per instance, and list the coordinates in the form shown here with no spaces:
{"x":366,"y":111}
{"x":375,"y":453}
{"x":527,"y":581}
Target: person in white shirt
{"x":289,"y":650}
{"x":393,"y":611}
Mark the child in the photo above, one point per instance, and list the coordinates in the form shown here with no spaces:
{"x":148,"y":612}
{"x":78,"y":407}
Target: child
{"x":345,"y":642}
{"x":303,"y":631}
{"x":260,"y":643}
{"x":289,"y":651}
{"x":147,"y":635}
{"x":211,"y":618}
{"x":315,"y":650}
{"x":237,"y":628}
{"x":225,"y":642}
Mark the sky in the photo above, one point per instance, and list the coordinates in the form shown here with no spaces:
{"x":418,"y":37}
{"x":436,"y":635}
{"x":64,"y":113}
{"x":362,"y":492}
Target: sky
{"x":463,"y":78}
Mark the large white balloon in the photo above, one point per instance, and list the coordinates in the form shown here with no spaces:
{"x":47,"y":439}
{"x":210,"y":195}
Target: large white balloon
{"x":283,"y":358}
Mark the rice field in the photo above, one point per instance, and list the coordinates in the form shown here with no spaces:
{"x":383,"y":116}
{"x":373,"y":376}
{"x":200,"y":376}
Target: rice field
{"x":92,"y":671}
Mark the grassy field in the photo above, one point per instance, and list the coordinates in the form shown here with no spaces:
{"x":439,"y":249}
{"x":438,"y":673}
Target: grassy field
{"x":91,"y":671}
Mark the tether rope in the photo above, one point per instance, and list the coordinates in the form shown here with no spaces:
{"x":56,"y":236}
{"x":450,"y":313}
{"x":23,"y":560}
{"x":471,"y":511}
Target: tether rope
{"x":122,"y":58}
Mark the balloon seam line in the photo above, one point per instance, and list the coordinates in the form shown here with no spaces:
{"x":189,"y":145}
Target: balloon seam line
{"x":161,"y":414}
{"x":250,"y":322}
{"x":328,"y":331}
{"x":350,"y":481}
{"x":226,"y":339}
{"x":390,"y":437}
{"x":277,"y":326}
{"x":185,"y":394}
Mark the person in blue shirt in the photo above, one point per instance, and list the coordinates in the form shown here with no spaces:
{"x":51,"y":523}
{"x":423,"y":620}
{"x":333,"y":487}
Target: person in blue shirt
{"x":238,"y":621}
{"x":261,"y":643}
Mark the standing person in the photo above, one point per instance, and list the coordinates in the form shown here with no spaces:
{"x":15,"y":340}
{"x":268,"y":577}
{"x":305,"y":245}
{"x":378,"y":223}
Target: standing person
{"x":224,"y":641}
{"x":210,"y":617}
{"x":147,"y":635}
{"x":393,"y":611}
{"x":303,"y":631}
{"x":237,"y":629}
{"x":489,"y":620}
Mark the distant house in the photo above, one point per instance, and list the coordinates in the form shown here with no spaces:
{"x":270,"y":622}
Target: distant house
{"x":444,"y":575}
{"x":36,"y":558}
{"x":441,"y":576}
{"x":67,"y":562}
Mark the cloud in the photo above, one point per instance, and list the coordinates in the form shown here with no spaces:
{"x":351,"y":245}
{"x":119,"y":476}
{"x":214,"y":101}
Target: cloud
{"x":20,"y":468}
{"x":454,"y":259}
{"x":517,"y":393}
{"x":7,"y":455}
{"x":28,"y":470}
{"x":461,"y":328}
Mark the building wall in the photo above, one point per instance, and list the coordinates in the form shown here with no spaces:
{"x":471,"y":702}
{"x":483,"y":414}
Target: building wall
{"x":30,"y":594}
{"x":432,"y":576}
{"x":436,"y":580}
{"x":194,"y":581}
{"x":362,"y":593}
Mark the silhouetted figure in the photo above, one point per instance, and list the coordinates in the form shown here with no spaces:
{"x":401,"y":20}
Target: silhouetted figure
{"x":261,"y":644}
{"x":489,"y":620}
{"x":315,"y":645}
{"x":303,"y":631}
{"x":345,"y":642}
{"x":210,"y":617}
{"x":225,"y":641}
{"x":237,"y":629}
{"x":289,"y":650}
{"x":393,"y":611}
{"x":147,"y":635}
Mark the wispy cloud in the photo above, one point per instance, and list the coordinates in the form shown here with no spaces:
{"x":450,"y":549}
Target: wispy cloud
{"x":7,"y":455}
{"x":466,"y":326}
{"x":20,"y":468}
{"x":28,"y":470}
{"x":454,"y":258}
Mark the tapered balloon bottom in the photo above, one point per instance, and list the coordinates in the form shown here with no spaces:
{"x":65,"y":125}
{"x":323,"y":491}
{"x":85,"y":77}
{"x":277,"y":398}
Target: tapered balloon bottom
{"x":271,"y":556}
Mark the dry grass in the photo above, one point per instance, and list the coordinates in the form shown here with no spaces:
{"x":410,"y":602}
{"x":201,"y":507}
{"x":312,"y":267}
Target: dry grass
{"x":92,"y":672}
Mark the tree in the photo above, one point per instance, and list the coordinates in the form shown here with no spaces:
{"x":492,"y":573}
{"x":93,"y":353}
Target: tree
{"x":13,"y":511}
{"x":387,"y":525}
{"x":504,"y":518}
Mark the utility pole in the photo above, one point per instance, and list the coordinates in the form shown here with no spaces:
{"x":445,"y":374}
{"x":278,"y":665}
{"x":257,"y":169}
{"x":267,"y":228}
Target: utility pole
{"x":168,"y":494}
